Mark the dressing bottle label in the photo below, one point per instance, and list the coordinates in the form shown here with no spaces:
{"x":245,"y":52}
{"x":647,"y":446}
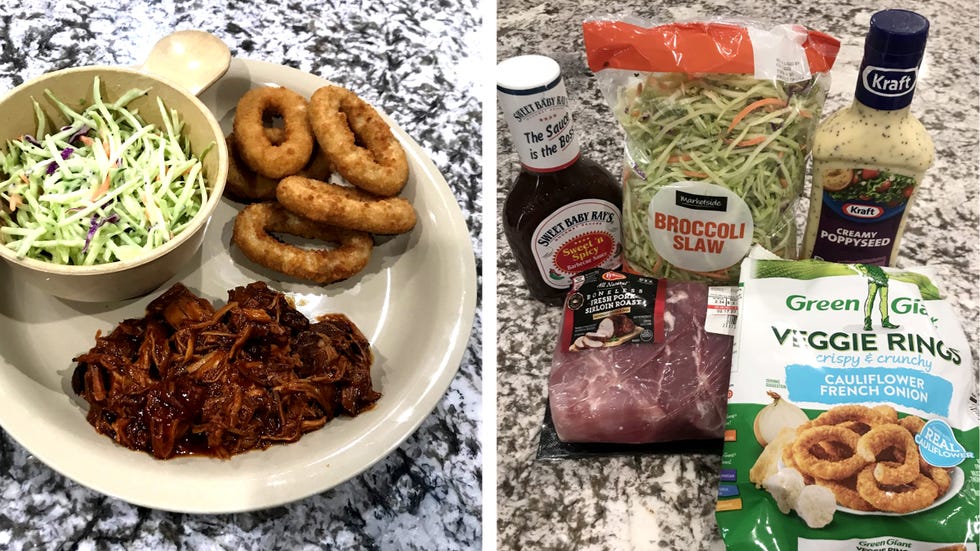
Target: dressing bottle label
{"x":861,"y":214}
{"x":580,"y":236}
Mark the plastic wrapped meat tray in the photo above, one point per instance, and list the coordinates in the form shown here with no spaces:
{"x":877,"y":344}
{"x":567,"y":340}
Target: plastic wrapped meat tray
{"x":634,"y":363}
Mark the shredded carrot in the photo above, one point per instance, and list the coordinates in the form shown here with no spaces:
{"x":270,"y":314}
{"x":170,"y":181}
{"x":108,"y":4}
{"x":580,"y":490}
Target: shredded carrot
{"x":24,"y":178}
{"x":106,"y":147}
{"x":86,"y":140}
{"x":751,"y":141}
{"x":694,"y":174}
{"x":754,"y":140}
{"x":782,"y":182}
{"x":806,"y":114}
{"x":658,"y":264}
{"x":677,"y":158}
{"x":146,"y":206}
{"x":752,"y":107}
{"x":101,"y":190}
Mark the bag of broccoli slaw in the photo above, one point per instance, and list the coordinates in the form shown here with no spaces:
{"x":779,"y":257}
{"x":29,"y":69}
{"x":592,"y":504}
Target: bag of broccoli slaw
{"x":851,"y":421}
{"x":718,"y":119}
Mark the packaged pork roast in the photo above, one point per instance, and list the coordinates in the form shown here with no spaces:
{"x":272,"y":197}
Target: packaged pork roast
{"x":634,"y":363}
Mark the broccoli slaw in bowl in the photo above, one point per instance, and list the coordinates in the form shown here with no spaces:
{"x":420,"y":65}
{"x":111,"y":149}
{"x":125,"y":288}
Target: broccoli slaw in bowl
{"x":108,"y":179}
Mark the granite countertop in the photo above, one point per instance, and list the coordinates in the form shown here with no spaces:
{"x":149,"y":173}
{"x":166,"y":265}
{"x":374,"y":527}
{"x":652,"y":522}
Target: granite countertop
{"x":413,"y":61}
{"x":667,"y":501}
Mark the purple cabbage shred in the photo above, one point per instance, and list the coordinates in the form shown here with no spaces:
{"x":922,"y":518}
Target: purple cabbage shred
{"x":84,"y":129}
{"x":639,"y":172}
{"x":96,"y":223}
{"x":65,"y":153}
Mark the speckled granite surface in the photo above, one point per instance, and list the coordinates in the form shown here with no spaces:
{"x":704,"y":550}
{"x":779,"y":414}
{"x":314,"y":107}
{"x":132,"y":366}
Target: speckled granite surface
{"x":415,"y":61}
{"x":667,"y":501}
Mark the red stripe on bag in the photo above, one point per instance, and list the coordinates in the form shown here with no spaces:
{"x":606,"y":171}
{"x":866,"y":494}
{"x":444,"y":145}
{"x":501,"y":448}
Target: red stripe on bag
{"x":688,"y":48}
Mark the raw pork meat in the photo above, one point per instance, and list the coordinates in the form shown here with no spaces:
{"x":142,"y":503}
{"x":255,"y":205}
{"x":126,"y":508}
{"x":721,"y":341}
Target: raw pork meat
{"x":646,"y":392}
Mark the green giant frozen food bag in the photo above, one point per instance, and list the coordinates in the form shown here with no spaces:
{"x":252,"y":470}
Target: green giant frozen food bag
{"x":850,"y":421}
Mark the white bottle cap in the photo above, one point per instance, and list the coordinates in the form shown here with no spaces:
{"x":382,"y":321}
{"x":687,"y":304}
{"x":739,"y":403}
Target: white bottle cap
{"x":527,"y":72}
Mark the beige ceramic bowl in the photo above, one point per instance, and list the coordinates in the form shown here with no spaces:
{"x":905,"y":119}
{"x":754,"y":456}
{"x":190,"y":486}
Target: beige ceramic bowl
{"x":138,"y":276}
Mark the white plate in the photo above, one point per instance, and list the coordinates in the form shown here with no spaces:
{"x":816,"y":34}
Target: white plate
{"x":956,"y":480}
{"x":415,"y":302}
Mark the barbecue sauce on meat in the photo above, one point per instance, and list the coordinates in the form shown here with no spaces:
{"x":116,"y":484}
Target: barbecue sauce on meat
{"x":188,"y":379}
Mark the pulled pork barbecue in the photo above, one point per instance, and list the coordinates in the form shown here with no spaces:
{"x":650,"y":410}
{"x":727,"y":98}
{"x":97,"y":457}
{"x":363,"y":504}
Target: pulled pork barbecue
{"x":189,"y":379}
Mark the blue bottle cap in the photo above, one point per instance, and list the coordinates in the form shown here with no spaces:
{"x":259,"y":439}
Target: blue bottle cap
{"x":900,"y":33}
{"x":893,"y":50}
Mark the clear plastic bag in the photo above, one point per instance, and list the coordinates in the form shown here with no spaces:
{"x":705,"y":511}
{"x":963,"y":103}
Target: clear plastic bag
{"x":718,"y":119}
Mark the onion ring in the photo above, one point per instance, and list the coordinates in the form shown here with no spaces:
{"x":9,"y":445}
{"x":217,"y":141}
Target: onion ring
{"x":247,"y":186}
{"x":882,"y":437}
{"x":887,"y":412}
{"x":846,"y":493}
{"x":808,"y":463}
{"x":243,"y":183}
{"x":317,"y":167}
{"x":896,"y":499}
{"x":251,"y":234}
{"x":257,"y":150}
{"x":851,"y":412}
{"x":940,"y":476}
{"x":859,"y":427}
{"x":787,"y":455}
{"x":345,"y":207}
{"x":912,"y":423}
{"x":341,"y":120}
{"x":831,"y":450}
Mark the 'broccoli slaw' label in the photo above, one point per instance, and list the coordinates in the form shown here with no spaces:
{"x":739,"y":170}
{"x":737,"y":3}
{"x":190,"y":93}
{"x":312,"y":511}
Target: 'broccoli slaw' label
{"x":853,"y":352}
{"x":579,"y":236}
{"x":699,"y":227}
{"x":861,"y":214}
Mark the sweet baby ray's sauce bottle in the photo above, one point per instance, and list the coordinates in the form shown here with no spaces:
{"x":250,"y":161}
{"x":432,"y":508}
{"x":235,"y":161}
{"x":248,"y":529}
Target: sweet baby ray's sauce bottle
{"x":563,"y":213}
{"x":869,"y":158}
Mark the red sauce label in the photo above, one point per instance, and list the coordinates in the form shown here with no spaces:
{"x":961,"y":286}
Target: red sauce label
{"x":585,"y":251}
{"x":579,"y":236}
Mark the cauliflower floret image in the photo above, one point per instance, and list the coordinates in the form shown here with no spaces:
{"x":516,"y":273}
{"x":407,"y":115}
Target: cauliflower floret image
{"x":784,"y":485}
{"x":816,"y":506}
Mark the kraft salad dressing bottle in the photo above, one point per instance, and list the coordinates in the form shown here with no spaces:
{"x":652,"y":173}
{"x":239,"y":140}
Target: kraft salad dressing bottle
{"x":869,"y":158}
